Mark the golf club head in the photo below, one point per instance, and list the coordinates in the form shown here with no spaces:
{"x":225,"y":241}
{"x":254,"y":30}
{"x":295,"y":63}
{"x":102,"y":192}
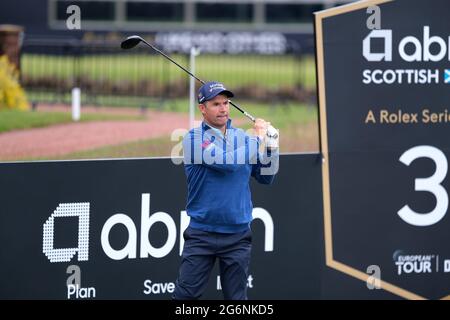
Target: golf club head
{"x":131,"y":42}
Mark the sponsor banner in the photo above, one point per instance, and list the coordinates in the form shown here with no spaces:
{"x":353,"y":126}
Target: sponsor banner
{"x":266,"y":43}
{"x":112,"y":229}
{"x":383,"y":71}
{"x":238,"y":42}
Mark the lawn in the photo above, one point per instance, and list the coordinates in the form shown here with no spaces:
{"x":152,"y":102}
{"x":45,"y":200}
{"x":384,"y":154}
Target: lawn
{"x":301,"y":138}
{"x":297,"y":124}
{"x":233,"y":70}
{"x":15,"y":120}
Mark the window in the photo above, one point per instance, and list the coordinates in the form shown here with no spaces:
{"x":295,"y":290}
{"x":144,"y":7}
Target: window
{"x":90,"y":10}
{"x":290,"y":13}
{"x":154,"y":11}
{"x":221,"y":12}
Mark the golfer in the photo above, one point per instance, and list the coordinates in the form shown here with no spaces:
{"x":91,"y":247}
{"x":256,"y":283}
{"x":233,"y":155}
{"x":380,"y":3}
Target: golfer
{"x":219,"y":160}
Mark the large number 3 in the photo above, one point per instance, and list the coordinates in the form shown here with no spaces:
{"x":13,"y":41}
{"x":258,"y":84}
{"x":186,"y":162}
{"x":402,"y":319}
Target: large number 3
{"x":431,"y":184}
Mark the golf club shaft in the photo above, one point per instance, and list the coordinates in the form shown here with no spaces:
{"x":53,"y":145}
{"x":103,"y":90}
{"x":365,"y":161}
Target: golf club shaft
{"x":167,"y":57}
{"x":200,"y":80}
{"x":248,"y":115}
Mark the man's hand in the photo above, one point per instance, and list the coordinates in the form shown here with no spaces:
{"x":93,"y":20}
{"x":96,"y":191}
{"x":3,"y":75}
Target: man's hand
{"x":267,"y":133}
{"x":260,"y":128}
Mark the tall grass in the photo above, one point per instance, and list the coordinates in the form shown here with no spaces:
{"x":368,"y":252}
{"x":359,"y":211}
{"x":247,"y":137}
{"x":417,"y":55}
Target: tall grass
{"x":267,"y":71}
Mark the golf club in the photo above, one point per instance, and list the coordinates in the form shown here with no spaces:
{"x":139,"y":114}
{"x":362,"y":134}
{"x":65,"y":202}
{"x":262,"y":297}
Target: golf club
{"x":133,"y":41}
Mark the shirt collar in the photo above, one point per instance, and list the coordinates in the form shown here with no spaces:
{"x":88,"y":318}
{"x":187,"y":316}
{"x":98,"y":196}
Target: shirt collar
{"x":206,"y":126}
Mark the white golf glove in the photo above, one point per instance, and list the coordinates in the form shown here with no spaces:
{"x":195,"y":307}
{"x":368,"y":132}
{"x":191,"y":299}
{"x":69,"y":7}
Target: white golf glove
{"x":272,"y":137}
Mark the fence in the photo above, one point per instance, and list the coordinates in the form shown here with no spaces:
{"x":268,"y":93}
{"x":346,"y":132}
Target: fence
{"x":108,"y":75}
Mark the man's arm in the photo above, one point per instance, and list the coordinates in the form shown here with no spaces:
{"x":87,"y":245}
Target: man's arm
{"x":266,"y":168}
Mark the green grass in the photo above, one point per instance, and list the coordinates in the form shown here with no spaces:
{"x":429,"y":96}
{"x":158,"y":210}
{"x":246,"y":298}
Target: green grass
{"x":293,"y":139}
{"x":295,"y":120}
{"x":156,"y":147}
{"x":297,"y":124}
{"x":98,"y":100}
{"x":267,"y":71}
{"x":280,"y":115}
{"x":15,"y":120}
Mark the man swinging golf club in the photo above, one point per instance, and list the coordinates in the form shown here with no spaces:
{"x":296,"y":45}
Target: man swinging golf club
{"x":219,"y":160}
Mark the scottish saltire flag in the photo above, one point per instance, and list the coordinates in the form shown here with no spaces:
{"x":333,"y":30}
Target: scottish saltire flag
{"x":447,"y":76}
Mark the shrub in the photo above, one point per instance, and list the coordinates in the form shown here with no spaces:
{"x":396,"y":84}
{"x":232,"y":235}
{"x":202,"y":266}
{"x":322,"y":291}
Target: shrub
{"x":12,"y":96}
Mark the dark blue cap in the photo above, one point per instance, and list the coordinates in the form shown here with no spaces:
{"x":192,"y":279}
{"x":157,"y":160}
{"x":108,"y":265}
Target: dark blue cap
{"x":211,"y":89}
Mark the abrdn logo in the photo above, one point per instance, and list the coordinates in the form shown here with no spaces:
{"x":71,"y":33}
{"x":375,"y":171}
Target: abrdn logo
{"x":421,"y":48}
{"x":82,"y":211}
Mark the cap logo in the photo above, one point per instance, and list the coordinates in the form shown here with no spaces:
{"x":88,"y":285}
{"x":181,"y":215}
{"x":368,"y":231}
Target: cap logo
{"x":216,"y":86}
